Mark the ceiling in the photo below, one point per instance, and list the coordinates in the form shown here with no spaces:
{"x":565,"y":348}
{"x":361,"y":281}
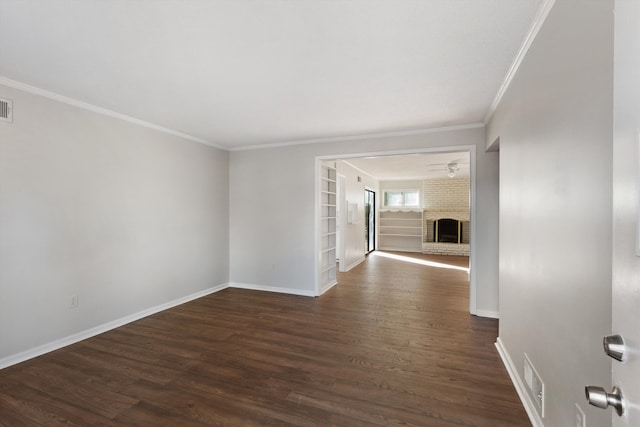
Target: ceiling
{"x":241,"y":73}
{"x":413,"y":166}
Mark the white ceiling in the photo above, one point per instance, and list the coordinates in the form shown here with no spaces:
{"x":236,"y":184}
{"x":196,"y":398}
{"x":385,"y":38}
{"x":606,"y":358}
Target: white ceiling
{"x":413,"y":166}
{"x":247,"y":72}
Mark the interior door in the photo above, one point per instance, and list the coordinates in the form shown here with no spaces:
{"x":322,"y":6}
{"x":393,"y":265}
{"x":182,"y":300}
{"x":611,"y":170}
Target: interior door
{"x":626,"y":222}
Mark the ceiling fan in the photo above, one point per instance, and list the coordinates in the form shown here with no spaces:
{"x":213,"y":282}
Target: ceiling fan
{"x":451,"y":168}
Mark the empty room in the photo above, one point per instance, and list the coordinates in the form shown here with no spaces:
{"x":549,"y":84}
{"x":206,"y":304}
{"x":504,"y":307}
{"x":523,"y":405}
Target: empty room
{"x":310,"y":213}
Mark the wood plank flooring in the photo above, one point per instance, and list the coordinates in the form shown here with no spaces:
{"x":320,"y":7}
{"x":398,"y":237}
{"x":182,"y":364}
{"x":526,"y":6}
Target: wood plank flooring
{"x":391,"y":344}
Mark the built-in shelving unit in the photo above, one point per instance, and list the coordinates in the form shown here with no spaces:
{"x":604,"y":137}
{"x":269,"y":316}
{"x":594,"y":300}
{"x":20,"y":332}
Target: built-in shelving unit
{"x":327,"y":218}
{"x":401,"y":230}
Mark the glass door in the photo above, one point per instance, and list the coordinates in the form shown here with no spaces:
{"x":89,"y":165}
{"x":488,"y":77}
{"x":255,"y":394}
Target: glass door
{"x":370,"y":220}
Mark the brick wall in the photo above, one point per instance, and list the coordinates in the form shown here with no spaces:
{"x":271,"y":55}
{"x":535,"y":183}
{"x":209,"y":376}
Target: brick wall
{"x":445,"y":194}
{"x":445,"y":249}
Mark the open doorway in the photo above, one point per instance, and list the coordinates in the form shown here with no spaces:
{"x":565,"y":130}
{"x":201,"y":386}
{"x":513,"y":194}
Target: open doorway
{"x":369,"y":221}
{"x":452,"y":163}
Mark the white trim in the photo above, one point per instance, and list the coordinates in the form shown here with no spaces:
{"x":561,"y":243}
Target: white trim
{"x":473,"y":248}
{"x":327,"y":287}
{"x":638,"y":187}
{"x":541,"y":16}
{"x":359,"y":137}
{"x":341,"y":221}
{"x":97,"y":330}
{"x":317,"y":227}
{"x":106,"y":112}
{"x":359,"y":170}
{"x":400,"y":249}
{"x":529,"y":405}
{"x":443,"y":149}
{"x":99,"y":110}
{"x":354,"y":264}
{"x":276,"y":289}
{"x":488,"y":313}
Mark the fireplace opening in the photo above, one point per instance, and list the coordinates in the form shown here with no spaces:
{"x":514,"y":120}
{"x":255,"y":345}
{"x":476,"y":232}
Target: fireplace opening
{"x":447,"y":230}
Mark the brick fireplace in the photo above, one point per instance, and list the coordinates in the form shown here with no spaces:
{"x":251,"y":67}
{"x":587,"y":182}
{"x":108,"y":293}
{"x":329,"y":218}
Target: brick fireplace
{"x":446,"y":227}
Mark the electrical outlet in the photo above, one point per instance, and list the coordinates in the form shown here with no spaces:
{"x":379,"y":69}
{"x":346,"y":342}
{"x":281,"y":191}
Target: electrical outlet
{"x":580,"y":419}
{"x":74,"y":301}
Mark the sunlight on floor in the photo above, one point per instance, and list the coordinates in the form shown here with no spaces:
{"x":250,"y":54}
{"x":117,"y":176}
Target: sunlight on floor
{"x":419,"y":261}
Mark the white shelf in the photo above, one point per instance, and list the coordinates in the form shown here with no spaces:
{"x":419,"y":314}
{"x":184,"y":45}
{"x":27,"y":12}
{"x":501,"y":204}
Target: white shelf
{"x":327,"y":227}
{"x":401,"y":230}
{"x":329,"y":268}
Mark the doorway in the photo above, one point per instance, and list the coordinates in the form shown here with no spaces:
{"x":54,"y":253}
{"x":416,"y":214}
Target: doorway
{"x":369,"y":221}
{"x":446,"y":168}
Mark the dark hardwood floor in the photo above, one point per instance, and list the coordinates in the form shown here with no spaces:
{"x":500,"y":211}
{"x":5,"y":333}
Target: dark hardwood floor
{"x":391,"y":344}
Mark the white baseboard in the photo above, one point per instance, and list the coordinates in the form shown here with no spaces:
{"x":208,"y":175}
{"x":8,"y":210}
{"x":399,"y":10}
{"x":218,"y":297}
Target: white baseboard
{"x":327,"y":287}
{"x":97,"y":330}
{"x":400,"y":249}
{"x":487,"y":313}
{"x":354,"y":264}
{"x":276,"y":289}
{"x":512,"y":370}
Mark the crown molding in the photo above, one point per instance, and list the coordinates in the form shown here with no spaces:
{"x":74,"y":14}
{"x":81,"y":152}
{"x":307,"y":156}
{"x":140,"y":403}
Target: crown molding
{"x":358,"y":169}
{"x":538,"y":21}
{"x":359,"y":137}
{"x":104,"y":111}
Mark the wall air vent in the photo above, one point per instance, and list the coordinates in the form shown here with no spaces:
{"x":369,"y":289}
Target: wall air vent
{"x":6,"y":110}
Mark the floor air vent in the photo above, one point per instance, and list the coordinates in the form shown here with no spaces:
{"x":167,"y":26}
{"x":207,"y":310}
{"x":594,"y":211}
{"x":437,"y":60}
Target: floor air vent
{"x":6,"y":110}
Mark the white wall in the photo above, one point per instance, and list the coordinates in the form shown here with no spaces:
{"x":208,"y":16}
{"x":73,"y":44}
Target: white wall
{"x":272,"y":200}
{"x":555,"y":130}
{"x":124,"y":217}
{"x":354,"y":244}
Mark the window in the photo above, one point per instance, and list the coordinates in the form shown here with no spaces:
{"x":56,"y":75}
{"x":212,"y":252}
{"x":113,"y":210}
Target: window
{"x":402,"y":198}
